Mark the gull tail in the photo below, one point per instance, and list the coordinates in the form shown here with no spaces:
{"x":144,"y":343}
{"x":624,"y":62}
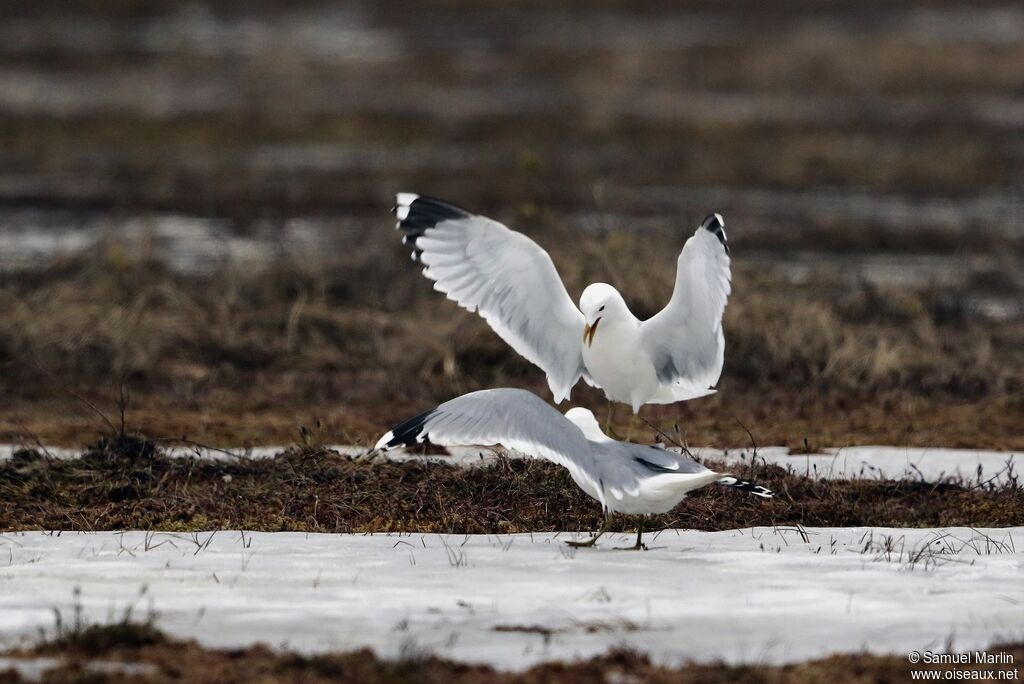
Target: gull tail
{"x":671,"y":483}
{"x":747,"y":486}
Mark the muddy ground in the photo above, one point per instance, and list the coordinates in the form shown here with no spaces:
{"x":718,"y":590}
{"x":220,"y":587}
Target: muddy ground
{"x":137,"y":652}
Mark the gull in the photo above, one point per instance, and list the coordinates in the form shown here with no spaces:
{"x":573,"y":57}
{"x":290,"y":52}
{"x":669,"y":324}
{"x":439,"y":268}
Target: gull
{"x":628,"y":478}
{"x":512,"y":283}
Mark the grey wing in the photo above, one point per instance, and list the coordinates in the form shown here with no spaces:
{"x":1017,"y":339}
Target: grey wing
{"x":622,"y":466}
{"x":503,"y":275}
{"x":685,"y":339}
{"x":514,"y":418}
{"x":656,"y":459}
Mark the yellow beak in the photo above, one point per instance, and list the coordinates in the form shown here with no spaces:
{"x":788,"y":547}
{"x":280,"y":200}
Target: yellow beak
{"x":588,"y":332}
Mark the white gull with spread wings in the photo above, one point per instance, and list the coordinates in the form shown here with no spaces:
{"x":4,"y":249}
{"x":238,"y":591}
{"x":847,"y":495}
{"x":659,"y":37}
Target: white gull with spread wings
{"x":625,"y":478}
{"x":511,"y":281}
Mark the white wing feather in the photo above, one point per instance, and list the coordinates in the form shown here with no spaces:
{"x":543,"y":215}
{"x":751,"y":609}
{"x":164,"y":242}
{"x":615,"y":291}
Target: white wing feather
{"x":513,"y":418}
{"x":506,"y":277}
{"x":685,"y":339}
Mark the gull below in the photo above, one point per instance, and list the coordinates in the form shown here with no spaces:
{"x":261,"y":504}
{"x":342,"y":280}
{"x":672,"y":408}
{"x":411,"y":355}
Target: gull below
{"x":513,"y":284}
{"x":625,"y":478}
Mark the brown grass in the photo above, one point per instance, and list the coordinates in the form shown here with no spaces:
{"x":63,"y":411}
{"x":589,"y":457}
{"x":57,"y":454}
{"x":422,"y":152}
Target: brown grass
{"x":188,"y":661}
{"x":125,"y":483}
{"x":237,"y":357}
{"x":841,"y":102}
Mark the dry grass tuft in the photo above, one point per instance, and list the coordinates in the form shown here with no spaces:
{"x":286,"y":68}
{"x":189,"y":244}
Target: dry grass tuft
{"x":317,"y":490}
{"x":235,"y":357}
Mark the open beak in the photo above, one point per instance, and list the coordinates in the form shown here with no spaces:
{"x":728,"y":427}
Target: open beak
{"x":589,"y":330}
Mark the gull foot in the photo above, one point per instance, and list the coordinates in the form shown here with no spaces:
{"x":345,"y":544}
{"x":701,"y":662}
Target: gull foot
{"x":582,"y":545}
{"x":636,"y":547}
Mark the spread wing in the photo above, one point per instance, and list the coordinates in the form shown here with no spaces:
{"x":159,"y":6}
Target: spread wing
{"x":514,"y":418}
{"x":503,"y":275}
{"x":685,"y":339}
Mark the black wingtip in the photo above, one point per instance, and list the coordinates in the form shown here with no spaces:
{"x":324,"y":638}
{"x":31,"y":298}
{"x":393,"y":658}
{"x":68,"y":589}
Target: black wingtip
{"x":409,"y":432}
{"x":748,"y":486}
{"x":417,"y":214}
{"x":715,"y":224}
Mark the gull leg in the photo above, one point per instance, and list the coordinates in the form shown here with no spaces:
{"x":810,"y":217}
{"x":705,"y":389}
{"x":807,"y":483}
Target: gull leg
{"x":639,"y":546}
{"x":633,"y":423}
{"x":608,"y":429}
{"x":593,"y":540}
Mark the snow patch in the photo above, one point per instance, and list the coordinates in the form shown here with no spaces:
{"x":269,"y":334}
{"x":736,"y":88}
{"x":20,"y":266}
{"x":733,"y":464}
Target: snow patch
{"x":846,"y":463}
{"x":744,"y":596}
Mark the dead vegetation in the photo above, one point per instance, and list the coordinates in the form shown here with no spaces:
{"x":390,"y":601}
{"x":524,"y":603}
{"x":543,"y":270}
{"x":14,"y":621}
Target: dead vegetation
{"x":148,"y":656}
{"x":236,"y":357}
{"x":823,"y":138}
{"x":942,"y":547}
{"x":846,"y":99}
{"x":128,"y":484}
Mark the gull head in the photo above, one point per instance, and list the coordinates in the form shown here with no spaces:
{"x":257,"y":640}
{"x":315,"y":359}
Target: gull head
{"x":584,"y":419}
{"x":600,"y":301}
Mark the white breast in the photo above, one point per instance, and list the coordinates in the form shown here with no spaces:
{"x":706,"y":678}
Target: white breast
{"x":615,"y":364}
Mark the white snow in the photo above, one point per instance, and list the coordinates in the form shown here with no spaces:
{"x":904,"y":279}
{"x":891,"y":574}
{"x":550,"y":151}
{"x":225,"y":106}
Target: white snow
{"x":882,"y":462}
{"x":752,"y":595}
{"x":855,"y":462}
{"x":35,"y":669}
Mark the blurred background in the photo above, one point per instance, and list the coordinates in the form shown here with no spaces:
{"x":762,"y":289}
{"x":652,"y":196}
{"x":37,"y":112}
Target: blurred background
{"x":194,"y":208}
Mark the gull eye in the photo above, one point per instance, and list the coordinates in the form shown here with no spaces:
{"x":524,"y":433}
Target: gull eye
{"x":602,"y":308}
